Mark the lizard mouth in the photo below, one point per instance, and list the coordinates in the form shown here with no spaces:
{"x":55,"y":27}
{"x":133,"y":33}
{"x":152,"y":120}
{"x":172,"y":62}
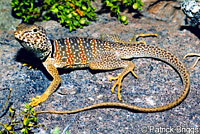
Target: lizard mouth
{"x":16,"y":34}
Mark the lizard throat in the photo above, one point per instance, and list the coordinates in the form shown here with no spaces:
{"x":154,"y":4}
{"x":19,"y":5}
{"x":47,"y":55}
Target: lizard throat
{"x":52,"y":47}
{"x":38,"y":53}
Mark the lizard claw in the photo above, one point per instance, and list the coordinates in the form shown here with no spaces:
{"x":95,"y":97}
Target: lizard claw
{"x":29,"y":66}
{"x":114,"y":78}
{"x":118,"y":82}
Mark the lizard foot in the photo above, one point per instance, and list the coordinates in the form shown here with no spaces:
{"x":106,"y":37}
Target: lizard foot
{"x":114,"y":78}
{"x":195,"y":62}
{"x":29,"y":67}
{"x":37,"y":100}
{"x":25,"y":64}
{"x":119,"y":78}
{"x":135,"y":37}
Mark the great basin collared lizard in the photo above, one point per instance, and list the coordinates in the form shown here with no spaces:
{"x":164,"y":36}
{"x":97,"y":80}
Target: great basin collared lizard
{"x":111,"y":53}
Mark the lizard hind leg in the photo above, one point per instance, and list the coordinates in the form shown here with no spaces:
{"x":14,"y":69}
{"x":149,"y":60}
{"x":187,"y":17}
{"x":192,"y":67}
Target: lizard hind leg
{"x":110,"y":61}
{"x":129,"y":68}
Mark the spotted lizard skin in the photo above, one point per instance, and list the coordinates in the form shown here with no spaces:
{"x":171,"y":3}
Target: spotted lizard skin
{"x":111,"y":53}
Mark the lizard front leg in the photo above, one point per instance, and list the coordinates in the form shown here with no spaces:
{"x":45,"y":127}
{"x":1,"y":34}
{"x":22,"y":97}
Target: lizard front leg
{"x":52,"y":87}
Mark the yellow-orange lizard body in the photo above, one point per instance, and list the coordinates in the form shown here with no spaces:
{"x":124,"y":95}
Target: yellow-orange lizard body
{"x":108,"y":54}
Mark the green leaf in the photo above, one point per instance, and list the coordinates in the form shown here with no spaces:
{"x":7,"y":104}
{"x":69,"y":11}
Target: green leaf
{"x":56,"y":130}
{"x":67,"y":21}
{"x":139,"y":8}
{"x":87,"y":23}
{"x":84,"y":8}
{"x":35,"y":10}
{"x":125,"y":1}
{"x":18,"y":14}
{"x":23,"y":10}
{"x":75,"y":22}
{"x":15,"y":9}
{"x":62,"y":20}
{"x":67,"y":132}
{"x":35,"y":119}
{"x":69,"y":16}
{"x":13,"y":132}
{"x":21,"y":4}
{"x":140,"y":2}
{"x":47,"y":17}
{"x":27,"y":106}
{"x":11,"y":110}
{"x":60,"y":7}
{"x":82,"y":21}
{"x":67,"y":11}
{"x":125,"y":23}
{"x":26,"y":121}
{"x":30,"y":125}
{"x":109,"y":4}
{"x":26,"y":3}
{"x":54,"y":8}
{"x":12,"y":4}
{"x":23,"y":130}
{"x":88,"y":9}
{"x":135,"y":6}
{"x":78,"y":17}
{"x":123,"y":18}
{"x":74,"y":13}
{"x":8,"y":128}
{"x":47,"y":1}
{"x":70,"y":28}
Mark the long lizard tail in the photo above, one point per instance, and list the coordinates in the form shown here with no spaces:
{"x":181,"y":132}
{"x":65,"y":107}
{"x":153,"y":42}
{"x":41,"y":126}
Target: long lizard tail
{"x":142,"y":50}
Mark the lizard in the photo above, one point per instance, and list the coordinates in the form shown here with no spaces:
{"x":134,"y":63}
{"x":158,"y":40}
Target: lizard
{"x":96,"y":54}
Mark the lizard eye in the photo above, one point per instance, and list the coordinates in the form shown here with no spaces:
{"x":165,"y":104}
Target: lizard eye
{"x":34,"y":30}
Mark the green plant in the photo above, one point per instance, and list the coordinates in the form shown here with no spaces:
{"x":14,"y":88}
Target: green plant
{"x":114,"y":6}
{"x":71,"y":13}
{"x":24,"y":125}
{"x":56,"y":130}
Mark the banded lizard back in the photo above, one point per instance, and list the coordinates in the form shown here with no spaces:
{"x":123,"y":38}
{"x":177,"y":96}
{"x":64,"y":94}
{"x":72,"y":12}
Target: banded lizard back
{"x":98,"y":55}
{"x":76,"y":52}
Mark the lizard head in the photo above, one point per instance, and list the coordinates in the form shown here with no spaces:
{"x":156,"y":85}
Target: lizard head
{"x":33,"y":38}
